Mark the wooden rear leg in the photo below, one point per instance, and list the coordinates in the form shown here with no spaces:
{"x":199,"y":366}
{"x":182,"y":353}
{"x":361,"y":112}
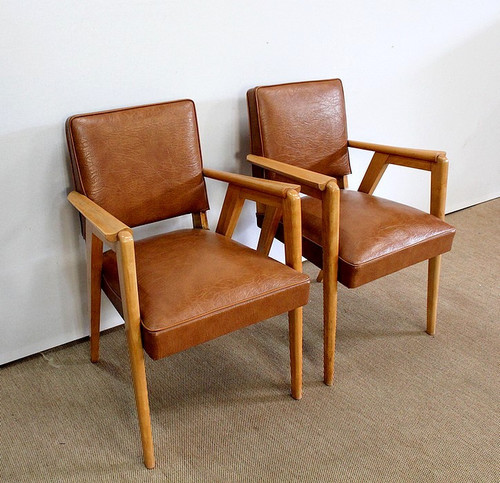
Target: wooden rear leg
{"x":295,"y":336}
{"x":330,"y":207}
{"x":434,"y":270}
{"x":94,"y":271}
{"x":329,"y":327}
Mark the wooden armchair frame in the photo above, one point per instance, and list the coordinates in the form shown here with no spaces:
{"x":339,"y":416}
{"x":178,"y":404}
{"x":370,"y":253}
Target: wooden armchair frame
{"x":327,"y":189}
{"x":103,"y":228}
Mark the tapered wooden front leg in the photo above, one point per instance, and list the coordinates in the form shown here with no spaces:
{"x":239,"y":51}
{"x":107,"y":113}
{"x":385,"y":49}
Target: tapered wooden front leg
{"x":93,"y":247}
{"x":130,"y":300}
{"x":292,"y":226}
{"x":141,"y":397}
{"x":329,"y":328}
{"x":439,"y":180}
{"x":330,"y":204}
{"x":295,"y":335}
{"x":434,"y":270}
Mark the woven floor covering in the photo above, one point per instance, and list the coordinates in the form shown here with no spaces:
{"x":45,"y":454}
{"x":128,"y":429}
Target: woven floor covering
{"x":405,"y":407}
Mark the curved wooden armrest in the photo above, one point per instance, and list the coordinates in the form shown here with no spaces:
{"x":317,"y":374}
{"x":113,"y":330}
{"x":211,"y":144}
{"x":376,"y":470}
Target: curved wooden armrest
{"x":106,"y":226}
{"x":423,"y":154}
{"x":269,"y":187}
{"x":303,"y":176}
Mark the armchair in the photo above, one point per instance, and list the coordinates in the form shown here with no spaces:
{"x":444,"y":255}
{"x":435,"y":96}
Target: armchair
{"x":298,"y":133}
{"x":143,"y":164}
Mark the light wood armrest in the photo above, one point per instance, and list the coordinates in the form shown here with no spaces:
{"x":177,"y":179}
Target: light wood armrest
{"x":423,"y":154}
{"x":303,"y":176}
{"x":106,"y":226}
{"x":433,"y":161}
{"x":269,"y":187}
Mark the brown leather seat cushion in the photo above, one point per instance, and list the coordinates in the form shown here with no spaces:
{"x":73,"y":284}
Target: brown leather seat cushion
{"x":190,"y":279}
{"x":377,"y":236}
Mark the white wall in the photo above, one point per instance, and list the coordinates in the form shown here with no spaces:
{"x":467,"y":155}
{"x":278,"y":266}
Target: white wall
{"x":421,"y":74}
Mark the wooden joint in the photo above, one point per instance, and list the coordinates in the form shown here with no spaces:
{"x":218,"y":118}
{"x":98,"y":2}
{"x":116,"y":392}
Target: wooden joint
{"x":441,"y":158}
{"x":200,"y":220}
{"x":332,"y":185}
{"x":293,"y":195}
{"x":125,"y":236}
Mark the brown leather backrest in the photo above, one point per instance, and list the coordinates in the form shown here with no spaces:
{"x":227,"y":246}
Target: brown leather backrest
{"x":302,"y":123}
{"x":142,"y":164}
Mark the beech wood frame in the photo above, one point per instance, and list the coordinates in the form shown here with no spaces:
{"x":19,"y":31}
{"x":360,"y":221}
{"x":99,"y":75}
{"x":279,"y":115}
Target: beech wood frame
{"x":103,"y":228}
{"x":327,"y":189}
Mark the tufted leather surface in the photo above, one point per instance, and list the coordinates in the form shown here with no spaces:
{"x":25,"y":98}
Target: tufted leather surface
{"x":141,"y":164}
{"x":378,"y":236}
{"x":301,"y":123}
{"x":195,"y":285}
